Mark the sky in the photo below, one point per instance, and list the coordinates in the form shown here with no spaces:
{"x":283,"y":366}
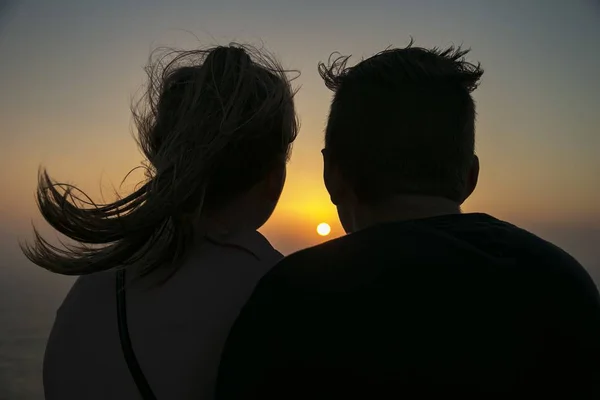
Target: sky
{"x":69,"y":70}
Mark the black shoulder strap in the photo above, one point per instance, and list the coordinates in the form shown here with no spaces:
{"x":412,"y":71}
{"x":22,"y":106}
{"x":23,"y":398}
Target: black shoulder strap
{"x":132,"y":362}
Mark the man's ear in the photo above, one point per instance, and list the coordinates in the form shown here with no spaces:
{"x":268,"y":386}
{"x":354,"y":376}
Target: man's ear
{"x":472,"y":179}
{"x":333,"y":180}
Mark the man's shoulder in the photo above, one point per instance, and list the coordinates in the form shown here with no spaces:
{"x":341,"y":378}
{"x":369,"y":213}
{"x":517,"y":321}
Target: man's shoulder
{"x":390,"y":236}
{"x":550,"y":267}
{"x":344,"y":263}
{"x":312,"y":259}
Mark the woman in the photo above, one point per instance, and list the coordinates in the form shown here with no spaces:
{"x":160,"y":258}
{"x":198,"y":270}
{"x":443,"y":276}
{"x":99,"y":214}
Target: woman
{"x":216,"y":127}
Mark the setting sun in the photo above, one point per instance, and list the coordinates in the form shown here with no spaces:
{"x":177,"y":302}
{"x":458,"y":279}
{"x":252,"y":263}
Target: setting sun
{"x":323,"y":229}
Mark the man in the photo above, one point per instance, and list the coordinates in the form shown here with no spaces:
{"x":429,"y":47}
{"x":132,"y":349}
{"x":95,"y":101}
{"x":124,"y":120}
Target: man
{"x":418,"y":298}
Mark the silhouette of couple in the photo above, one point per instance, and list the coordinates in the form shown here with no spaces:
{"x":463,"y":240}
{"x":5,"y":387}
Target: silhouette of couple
{"x":179,"y":296}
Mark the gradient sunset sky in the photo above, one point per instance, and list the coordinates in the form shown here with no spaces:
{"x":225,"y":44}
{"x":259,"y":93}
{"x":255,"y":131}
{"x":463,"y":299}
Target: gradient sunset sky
{"x":69,"y":69}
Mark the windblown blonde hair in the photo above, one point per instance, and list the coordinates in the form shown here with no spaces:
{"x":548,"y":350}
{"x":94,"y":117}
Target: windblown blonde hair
{"x":212,"y":123}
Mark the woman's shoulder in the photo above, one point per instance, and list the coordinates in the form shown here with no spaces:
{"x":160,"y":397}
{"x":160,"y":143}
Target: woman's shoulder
{"x":249,"y":245}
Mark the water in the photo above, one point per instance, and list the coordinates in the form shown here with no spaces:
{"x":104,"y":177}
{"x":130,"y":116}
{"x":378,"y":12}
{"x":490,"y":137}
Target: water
{"x":30,"y":296}
{"x":28,"y":301}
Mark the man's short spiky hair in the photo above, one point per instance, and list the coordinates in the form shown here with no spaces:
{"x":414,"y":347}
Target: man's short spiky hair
{"x":403,"y":121}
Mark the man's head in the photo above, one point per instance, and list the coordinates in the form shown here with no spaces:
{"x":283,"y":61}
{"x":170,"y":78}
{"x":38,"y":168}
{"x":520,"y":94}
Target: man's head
{"x":401,"y":123}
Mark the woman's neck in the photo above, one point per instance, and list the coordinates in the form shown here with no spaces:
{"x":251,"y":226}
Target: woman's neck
{"x":236,"y":217}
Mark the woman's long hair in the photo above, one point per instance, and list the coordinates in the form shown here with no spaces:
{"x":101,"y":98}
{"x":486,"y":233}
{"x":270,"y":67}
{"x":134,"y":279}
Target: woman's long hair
{"x":212,"y":124}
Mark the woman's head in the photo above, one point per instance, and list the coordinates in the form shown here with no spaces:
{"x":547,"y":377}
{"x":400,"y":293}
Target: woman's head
{"x":220,"y":118}
{"x":214,"y":125}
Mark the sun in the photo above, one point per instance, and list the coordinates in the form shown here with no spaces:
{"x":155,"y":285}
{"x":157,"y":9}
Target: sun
{"x":323,"y":229}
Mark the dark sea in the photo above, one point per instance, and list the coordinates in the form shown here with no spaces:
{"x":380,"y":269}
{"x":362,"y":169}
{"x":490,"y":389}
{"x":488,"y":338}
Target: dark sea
{"x":30,"y":296}
{"x":28,"y":300}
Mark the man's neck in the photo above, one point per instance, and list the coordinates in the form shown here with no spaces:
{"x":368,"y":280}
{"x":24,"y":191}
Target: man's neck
{"x":404,"y":208}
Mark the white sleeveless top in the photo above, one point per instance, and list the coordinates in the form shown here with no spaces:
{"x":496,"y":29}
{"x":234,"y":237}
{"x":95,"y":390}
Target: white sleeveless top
{"x":177,"y":330}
